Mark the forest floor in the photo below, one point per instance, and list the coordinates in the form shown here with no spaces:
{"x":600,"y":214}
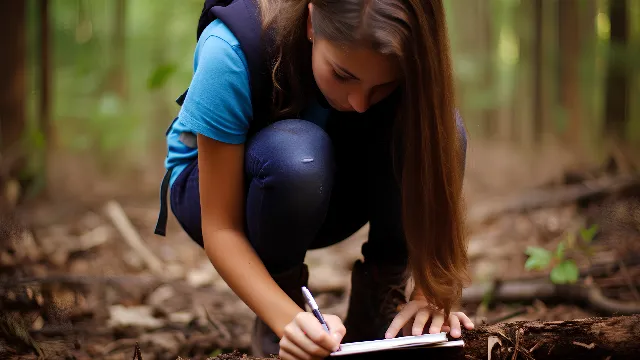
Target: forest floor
{"x":89,"y":279}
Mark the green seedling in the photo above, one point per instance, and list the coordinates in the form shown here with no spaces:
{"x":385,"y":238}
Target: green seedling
{"x":563,"y":269}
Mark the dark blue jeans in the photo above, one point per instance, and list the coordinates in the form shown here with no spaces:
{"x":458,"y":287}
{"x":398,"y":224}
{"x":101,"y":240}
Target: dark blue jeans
{"x":307,"y":189}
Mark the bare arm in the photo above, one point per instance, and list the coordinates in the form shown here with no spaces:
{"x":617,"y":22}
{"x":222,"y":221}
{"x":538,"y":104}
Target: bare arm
{"x":226,"y":245}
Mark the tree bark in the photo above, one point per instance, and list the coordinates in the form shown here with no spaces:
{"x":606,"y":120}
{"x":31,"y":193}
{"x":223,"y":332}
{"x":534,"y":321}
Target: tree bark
{"x":538,"y":72}
{"x":45,"y":91}
{"x":117,"y":75}
{"x":13,"y":75}
{"x":569,"y":77}
{"x":617,"y":86}
{"x":584,"y":339}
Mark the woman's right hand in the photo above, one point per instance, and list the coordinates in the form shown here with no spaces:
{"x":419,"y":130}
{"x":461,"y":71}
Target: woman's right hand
{"x":305,"y":339}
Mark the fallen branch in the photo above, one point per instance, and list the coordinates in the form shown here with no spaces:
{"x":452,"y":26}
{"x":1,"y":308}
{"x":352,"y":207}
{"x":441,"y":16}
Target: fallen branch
{"x":543,"y":289}
{"x":132,"y":238}
{"x":590,"y":338}
{"x":545,"y":198}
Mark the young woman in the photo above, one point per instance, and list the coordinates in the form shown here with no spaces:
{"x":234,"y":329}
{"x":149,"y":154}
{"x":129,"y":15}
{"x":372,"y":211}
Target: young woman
{"x":361,"y":127}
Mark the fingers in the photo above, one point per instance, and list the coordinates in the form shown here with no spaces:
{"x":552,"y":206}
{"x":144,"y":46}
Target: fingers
{"x":298,"y":345}
{"x":403,"y":317}
{"x":454,"y":323}
{"x":464,"y":319}
{"x":436,"y":323}
{"x":305,"y":338}
{"x":335,"y":326}
{"x":314,"y":331}
{"x":420,"y":321}
{"x":421,"y":312}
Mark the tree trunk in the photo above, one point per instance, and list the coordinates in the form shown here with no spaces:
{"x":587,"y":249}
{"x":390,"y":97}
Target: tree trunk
{"x":584,"y":339}
{"x":569,"y":78}
{"x":13,"y":91}
{"x":538,"y":70}
{"x":13,"y":75}
{"x":617,"y":86}
{"x":45,"y":88}
{"x":118,"y":77}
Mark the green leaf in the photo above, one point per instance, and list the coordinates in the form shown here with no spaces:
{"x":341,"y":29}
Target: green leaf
{"x":539,"y":258}
{"x":565,"y":272}
{"x":160,"y":75}
{"x":587,"y":235}
{"x":560,"y":250}
{"x":215,"y":353}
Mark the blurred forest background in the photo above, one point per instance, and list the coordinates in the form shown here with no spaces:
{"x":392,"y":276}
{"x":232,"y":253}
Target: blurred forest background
{"x":548,"y":90}
{"x":90,"y":84}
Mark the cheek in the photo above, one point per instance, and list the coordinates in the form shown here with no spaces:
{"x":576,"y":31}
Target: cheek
{"x":327,"y":83}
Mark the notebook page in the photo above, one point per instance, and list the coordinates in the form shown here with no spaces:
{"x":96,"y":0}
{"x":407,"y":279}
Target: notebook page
{"x":389,"y":344}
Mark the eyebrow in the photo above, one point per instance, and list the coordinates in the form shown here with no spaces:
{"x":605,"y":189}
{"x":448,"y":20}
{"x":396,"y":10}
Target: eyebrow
{"x":349,"y":74}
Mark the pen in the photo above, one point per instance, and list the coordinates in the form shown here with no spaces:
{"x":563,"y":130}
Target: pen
{"x":314,"y":308}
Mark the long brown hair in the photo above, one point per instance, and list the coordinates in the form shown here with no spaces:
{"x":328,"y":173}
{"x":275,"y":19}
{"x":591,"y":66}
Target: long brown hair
{"x":415,"y":32}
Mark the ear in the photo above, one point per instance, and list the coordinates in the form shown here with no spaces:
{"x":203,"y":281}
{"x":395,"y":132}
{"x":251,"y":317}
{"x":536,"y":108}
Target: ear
{"x":309,"y":25}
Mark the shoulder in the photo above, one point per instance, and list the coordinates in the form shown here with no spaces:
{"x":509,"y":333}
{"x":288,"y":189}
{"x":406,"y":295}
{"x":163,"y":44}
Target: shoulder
{"x":216,"y":42}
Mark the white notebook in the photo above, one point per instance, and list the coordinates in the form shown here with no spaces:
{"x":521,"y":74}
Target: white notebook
{"x":430,"y":340}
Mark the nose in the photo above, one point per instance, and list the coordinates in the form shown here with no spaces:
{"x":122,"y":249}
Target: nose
{"x":359,"y":101}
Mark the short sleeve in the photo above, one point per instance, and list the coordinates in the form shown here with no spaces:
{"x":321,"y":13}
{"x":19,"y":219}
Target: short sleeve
{"x":218,"y":102}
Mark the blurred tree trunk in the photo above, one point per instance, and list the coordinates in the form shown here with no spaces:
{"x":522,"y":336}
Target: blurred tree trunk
{"x":617,"y":85}
{"x":471,"y":21}
{"x":13,"y":91}
{"x":569,"y":79}
{"x":118,"y":73}
{"x":45,"y":72}
{"x":523,"y":114}
{"x":45,"y":88}
{"x":539,"y":106}
{"x":589,"y":79}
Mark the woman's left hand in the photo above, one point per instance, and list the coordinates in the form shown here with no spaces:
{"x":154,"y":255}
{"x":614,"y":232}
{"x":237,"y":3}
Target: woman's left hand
{"x":420,"y":312}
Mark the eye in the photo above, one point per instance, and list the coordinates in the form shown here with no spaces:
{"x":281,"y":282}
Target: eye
{"x":339,"y":77}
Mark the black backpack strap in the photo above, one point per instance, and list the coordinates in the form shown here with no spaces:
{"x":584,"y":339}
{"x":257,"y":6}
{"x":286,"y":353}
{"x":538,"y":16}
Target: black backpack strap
{"x":242,"y":17}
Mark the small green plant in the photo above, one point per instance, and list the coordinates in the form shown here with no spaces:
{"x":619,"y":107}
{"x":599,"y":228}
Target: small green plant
{"x":563,"y":269}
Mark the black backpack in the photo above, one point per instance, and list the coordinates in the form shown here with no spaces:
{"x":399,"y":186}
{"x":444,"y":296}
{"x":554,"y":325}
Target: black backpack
{"x":242,"y":17}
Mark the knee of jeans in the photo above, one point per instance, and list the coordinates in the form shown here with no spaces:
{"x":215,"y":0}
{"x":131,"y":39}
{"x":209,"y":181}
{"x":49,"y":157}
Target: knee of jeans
{"x":295,"y":156}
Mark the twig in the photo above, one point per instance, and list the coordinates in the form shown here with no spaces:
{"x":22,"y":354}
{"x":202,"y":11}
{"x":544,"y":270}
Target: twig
{"x":603,"y":303}
{"x":586,"y":346}
{"x":137,"y":354}
{"x":536,"y":346}
{"x":132,"y":237}
{"x":120,"y":343}
{"x":543,"y":198}
{"x":630,"y":282}
{"x":218,"y":326}
{"x":516,"y":348}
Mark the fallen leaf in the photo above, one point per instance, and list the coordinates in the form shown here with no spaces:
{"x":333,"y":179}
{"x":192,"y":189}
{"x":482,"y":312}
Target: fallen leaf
{"x":136,"y":316}
{"x":160,"y":295}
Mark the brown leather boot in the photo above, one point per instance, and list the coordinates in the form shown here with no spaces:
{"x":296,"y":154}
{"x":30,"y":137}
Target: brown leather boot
{"x":377,"y":292}
{"x":264,"y":342}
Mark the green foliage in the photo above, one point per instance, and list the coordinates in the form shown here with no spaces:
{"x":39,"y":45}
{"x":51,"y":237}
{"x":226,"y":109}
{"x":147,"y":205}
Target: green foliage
{"x":564,"y":270}
{"x":160,"y":75}
{"x":539,"y":258}
{"x":215,"y":353}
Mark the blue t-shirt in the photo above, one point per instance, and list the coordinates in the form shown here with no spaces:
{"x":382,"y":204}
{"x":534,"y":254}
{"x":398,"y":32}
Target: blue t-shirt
{"x":218,"y":103}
